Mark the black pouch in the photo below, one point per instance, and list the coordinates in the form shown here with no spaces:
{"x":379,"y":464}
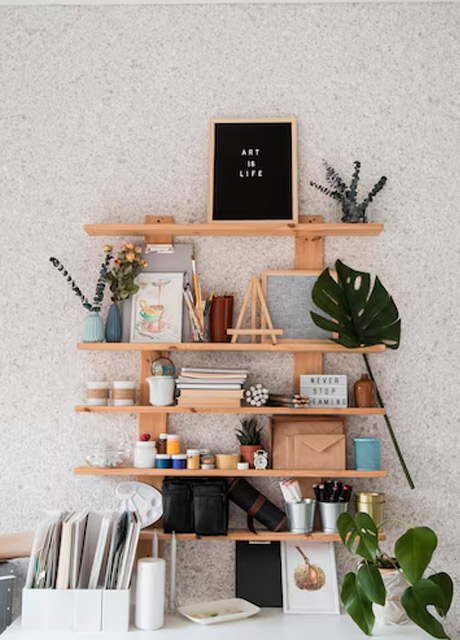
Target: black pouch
{"x":210,"y":508}
{"x":257,"y":506}
{"x":177,"y":506}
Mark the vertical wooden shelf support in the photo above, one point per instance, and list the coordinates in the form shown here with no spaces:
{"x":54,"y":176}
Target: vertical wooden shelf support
{"x":156,"y":423}
{"x":309,"y":254}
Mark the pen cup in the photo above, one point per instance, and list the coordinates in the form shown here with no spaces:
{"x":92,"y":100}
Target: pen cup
{"x":367,"y":454}
{"x":372,"y":503}
{"x":329,"y":512}
{"x":301,"y":515}
{"x":97,"y":394}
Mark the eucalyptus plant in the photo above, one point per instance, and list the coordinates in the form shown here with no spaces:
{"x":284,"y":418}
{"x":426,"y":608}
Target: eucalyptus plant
{"x":362,"y":317}
{"x":347,"y":195}
{"x":250,"y":433}
{"x":95,"y":305}
{"x":413,"y":552}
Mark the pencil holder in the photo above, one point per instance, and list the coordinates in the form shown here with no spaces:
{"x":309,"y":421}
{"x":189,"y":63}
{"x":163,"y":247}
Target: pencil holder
{"x":329,"y":512}
{"x":301,"y":515}
{"x":221,"y":318}
{"x":367,"y":454}
{"x":124,"y":393}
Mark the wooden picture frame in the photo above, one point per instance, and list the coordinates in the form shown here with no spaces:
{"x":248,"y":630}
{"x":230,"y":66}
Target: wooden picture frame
{"x":280,"y":289}
{"x":253,"y":170}
{"x":323,"y":600}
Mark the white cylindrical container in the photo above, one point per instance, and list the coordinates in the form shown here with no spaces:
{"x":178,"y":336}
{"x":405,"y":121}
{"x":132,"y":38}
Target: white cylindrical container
{"x":97,"y":394}
{"x":124,"y":393}
{"x":150,"y":593}
{"x":145,"y":455}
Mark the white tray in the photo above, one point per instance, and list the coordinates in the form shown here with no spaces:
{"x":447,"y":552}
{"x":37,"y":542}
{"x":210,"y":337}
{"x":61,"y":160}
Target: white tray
{"x":219,"y":611}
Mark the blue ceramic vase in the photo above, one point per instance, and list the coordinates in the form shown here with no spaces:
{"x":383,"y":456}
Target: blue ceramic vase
{"x":93,"y":328}
{"x":113,"y":331}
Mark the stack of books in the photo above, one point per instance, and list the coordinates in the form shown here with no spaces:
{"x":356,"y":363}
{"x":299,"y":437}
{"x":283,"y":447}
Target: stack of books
{"x":211,"y":387}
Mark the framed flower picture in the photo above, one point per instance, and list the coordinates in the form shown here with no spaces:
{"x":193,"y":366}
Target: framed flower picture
{"x":309,"y":578}
{"x":156,"y":309}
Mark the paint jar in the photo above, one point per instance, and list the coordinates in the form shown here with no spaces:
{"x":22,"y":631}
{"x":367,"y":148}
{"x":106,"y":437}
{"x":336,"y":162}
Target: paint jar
{"x":242,"y":466}
{"x":367,"y":454}
{"x":193,"y":458}
{"x":207,"y":458}
{"x":172,"y":444}
{"x":208,"y":467}
{"x":145,"y":455}
{"x":179,"y":460}
{"x":161,"y":445}
{"x":163,"y":461}
{"x":124,"y":393}
{"x":97,"y":394}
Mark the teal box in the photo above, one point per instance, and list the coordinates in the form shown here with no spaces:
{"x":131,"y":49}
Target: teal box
{"x":367,"y":454}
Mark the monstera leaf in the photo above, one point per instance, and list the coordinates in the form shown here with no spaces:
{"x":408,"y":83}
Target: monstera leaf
{"x":414,"y":550}
{"x":361,"y":316}
{"x":361,"y":529}
{"x":436,"y":592}
{"x":357,"y":604}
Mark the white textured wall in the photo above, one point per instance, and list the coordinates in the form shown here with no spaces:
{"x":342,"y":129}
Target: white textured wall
{"x":104,"y":116}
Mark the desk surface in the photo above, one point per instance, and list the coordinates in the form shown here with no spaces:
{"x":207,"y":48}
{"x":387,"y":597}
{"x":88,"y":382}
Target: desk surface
{"x":271,"y":623}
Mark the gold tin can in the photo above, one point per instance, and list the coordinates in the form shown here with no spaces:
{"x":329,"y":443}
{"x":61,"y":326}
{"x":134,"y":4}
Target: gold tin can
{"x":371,"y":503}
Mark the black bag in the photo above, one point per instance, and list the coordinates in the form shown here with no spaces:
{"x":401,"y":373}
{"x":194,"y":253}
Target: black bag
{"x":257,"y":506}
{"x":177,"y":501}
{"x":210,"y":508}
{"x":195,"y":506}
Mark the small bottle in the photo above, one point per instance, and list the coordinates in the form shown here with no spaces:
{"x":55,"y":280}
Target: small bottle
{"x":193,"y":458}
{"x":364,"y":392}
{"x":145,"y":455}
{"x":207,"y":459}
{"x":172,"y":444}
{"x":161,"y":448}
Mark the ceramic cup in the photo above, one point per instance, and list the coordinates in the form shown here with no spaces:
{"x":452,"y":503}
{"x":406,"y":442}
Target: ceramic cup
{"x":124,"y":393}
{"x":161,"y":390}
{"x":97,"y":394}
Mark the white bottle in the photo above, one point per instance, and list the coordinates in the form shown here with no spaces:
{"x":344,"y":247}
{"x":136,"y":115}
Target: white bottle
{"x":145,"y":455}
{"x":150,"y":593}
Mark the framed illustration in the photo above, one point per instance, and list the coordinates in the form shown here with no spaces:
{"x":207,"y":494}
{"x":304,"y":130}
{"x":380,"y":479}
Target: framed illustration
{"x":253,"y":170}
{"x":156,"y":309}
{"x":289,"y":301}
{"x":309,"y":577}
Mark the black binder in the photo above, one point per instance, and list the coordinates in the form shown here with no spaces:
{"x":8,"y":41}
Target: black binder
{"x":258,"y":573}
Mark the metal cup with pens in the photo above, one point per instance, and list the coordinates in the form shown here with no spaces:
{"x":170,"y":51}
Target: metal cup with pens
{"x":333,"y":499}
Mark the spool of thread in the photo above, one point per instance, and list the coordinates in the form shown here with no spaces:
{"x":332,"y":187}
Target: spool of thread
{"x":150,"y":593}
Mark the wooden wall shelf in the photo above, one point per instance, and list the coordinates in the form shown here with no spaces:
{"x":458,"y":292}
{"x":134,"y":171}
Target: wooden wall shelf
{"x":241,"y":535}
{"x":269,"y":411}
{"x":229,"y":473}
{"x":306,"y":346}
{"x":319,"y":229}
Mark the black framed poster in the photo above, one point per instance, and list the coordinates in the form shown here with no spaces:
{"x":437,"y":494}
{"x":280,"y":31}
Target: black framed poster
{"x":253,"y":170}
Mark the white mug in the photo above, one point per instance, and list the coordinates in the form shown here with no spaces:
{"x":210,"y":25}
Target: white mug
{"x":161,"y":390}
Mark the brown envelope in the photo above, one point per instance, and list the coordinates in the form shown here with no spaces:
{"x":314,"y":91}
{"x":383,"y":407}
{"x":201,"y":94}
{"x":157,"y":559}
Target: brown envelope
{"x":283,"y":428}
{"x":316,"y":451}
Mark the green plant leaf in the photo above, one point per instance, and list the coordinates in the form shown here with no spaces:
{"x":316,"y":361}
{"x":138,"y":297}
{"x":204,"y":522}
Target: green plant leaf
{"x":444,"y":581}
{"x":361,"y":316}
{"x":370,"y":581}
{"x":362,"y":529}
{"x":413,"y":551}
{"x":415,"y":601}
{"x":357,"y":604}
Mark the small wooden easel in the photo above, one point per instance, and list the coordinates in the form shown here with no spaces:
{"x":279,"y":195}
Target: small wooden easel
{"x":255,"y":291}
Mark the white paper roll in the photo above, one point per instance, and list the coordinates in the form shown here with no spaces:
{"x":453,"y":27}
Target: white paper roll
{"x":150,"y":593}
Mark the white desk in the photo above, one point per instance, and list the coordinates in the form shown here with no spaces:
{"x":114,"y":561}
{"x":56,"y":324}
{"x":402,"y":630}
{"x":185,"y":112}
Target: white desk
{"x":269,"y":624}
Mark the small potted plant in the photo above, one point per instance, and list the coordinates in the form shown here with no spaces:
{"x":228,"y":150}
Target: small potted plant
{"x":120,"y":277}
{"x":249,"y":438}
{"x":370,"y":586}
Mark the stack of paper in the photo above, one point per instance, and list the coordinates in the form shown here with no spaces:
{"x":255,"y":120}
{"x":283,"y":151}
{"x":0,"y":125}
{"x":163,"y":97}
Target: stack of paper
{"x":84,"y":550}
{"x":211,"y":387}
